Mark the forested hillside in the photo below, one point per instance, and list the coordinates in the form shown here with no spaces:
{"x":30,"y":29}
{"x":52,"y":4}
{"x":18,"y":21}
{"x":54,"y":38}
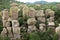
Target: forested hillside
{"x":42,"y":6}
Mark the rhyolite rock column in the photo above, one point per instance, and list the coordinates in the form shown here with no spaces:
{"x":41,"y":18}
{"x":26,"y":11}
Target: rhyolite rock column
{"x":47,"y":12}
{"x":31,"y":12}
{"x":15,"y":24}
{"x":40,"y":16}
{"x":6,"y":32}
{"x":25,"y":11}
{"x":16,"y":29}
{"x":57,"y":30}
{"x":31,"y":25}
{"x":5,"y":16}
{"x":10,"y":22}
{"x":50,"y":20}
{"x":14,"y":11}
{"x":42,"y":27}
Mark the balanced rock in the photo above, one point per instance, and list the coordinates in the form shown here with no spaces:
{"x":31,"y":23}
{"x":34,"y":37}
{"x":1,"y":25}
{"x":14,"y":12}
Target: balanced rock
{"x":31,"y":21}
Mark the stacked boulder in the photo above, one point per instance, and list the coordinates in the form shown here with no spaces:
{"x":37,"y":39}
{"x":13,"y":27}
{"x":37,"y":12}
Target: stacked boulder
{"x":41,"y":19}
{"x":31,"y":25}
{"x":10,"y":23}
{"x":50,"y":18}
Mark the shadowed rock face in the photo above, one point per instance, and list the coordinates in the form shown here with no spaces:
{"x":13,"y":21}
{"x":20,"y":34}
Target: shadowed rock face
{"x":3,"y":33}
{"x":16,"y":32}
